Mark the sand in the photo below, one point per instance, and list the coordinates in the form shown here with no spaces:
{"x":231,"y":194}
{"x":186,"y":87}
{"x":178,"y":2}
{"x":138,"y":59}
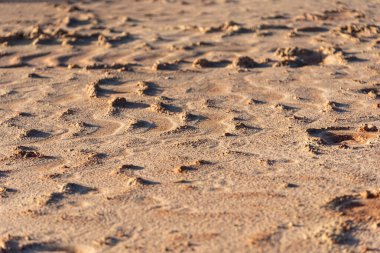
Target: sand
{"x":190,"y":126}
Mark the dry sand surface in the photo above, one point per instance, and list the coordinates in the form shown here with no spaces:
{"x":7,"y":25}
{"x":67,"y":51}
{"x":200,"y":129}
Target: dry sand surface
{"x":190,"y":126}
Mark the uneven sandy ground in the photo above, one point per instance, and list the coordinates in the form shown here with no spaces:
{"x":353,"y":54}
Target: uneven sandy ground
{"x":190,"y":126}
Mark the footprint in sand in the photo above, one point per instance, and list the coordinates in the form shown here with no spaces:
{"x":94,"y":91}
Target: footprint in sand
{"x":24,"y":243}
{"x":66,"y":190}
{"x":345,"y":136}
{"x":359,"y":207}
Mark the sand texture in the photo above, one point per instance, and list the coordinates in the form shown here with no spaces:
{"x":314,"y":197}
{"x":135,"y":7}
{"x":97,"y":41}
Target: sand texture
{"x":190,"y":126}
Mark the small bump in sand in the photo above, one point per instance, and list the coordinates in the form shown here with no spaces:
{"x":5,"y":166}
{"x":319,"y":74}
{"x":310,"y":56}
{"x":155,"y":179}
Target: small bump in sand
{"x":138,"y":181}
{"x":160,"y":107}
{"x":125,"y":168}
{"x":25,"y":152}
{"x":244,"y":62}
{"x":164,"y":66}
{"x":118,"y":102}
{"x":93,"y":89}
{"x":183,"y":168}
{"x":74,"y":188}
